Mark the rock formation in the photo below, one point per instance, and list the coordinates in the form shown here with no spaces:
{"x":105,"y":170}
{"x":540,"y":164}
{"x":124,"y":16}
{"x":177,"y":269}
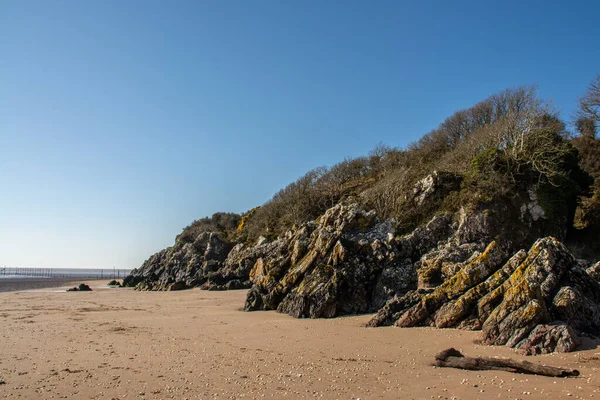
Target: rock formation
{"x":208,"y":262}
{"x":459,"y":270}
{"x":186,"y":264}
{"x":536,"y":301}
{"x":344,"y":263}
{"x":594,"y":271}
{"x":81,"y":288}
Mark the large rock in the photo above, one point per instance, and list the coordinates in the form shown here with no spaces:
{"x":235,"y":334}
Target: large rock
{"x":544,"y":339}
{"x":476,"y":270}
{"x":436,"y":183}
{"x":345,"y":262}
{"x":594,"y":271}
{"x":184,"y":265}
{"x":536,"y":301}
{"x":234,"y":272}
{"x":81,"y":288}
{"x":208,"y":262}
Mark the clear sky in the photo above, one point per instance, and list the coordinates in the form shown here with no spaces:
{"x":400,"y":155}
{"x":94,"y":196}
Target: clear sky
{"x":123,"y":121}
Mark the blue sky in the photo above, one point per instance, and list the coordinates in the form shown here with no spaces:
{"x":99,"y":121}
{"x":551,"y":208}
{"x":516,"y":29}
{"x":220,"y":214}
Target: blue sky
{"x":123,"y":121}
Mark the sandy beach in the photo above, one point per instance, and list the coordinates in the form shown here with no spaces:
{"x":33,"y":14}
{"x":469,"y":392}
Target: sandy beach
{"x":123,"y":344}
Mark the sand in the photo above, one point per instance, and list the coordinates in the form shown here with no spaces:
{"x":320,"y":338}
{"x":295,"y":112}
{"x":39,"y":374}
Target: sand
{"x":123,"y":344}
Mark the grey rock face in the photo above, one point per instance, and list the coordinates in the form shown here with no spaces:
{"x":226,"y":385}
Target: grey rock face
{"x":544,"y":339}
{"x":344,"y":263}
{"x":594,"y":271}
{"x":181,"y":266}
{"x":209,"y":262}
{"x":433,"y":183}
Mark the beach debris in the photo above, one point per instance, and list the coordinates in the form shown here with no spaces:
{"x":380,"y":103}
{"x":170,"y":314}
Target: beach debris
{"x":114,"y":283}
{"x":452,"y":358}
{"x":81,"y":288}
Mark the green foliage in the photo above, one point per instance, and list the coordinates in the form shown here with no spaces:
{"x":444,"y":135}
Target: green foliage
{"x":589,"y":154}
{"x":312,"y":194}
{"x":220,"y":222}
{"x":487,"y":179}
{"x":492,"y":153}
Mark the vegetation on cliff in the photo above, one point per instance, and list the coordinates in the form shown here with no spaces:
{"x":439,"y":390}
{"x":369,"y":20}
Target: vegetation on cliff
{"x":497,"y":151}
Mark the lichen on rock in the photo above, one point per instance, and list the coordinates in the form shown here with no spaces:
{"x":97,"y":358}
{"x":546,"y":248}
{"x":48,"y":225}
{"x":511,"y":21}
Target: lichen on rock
{"x":537,"y":301}
{"x":346,"y":262}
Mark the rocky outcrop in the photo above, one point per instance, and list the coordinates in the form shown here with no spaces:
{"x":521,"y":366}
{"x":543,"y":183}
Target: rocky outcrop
{"x":184,"y":265}
{"x":594,"y":271}
{"x":348,"y":261}
{"x":81,"y":288}
{"x":536,"y":301}
{"x":234,"y":273}
{"x":459,"y":270}
{"x":558,"y":337}
{"x":345,"y":262}
{"x":208,"y":262}
{"x":434,"y":184}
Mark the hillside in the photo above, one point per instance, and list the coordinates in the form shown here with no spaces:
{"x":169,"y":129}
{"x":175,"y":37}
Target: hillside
{"x":481,"y":224}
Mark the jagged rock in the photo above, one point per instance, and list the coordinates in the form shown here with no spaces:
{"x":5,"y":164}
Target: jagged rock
{"x":346,"y":262}
{"x":474,"y":272}
{"x":512,"y":302}
{"x":426,"y":238}
{"x":438,"y":265}
{"x":526,"y":294}
{"x":349,"y":262}
{"x":235,"y":272}
{"x":462,"y":311}
{"x":432,"y":183}
{"x":545,"y":339}
{"x":177,"y":286}
{"x":533,"y":208}
{"x":395,"y":278}
{"x":394,"y":308}
{"x":577,"y":302}
{"x":594,"y":271}
{"x":182,"y":266}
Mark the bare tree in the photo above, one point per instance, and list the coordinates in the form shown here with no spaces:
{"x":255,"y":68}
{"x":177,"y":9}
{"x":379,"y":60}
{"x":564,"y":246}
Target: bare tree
{"x":586,"y":127}
{"x":589,"y":104}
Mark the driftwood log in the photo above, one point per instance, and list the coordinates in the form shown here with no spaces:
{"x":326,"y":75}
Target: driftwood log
{"x":452,"y":358}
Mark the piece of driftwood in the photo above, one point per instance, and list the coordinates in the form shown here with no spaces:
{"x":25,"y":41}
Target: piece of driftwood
{"x":452,"y":358}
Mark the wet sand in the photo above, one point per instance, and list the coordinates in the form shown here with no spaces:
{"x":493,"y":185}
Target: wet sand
{"x":123,"y":344}
{"x":20,"y":284}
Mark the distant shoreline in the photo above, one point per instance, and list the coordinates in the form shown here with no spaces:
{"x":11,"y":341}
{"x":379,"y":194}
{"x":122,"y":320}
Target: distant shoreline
{"x":19,"y":284}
